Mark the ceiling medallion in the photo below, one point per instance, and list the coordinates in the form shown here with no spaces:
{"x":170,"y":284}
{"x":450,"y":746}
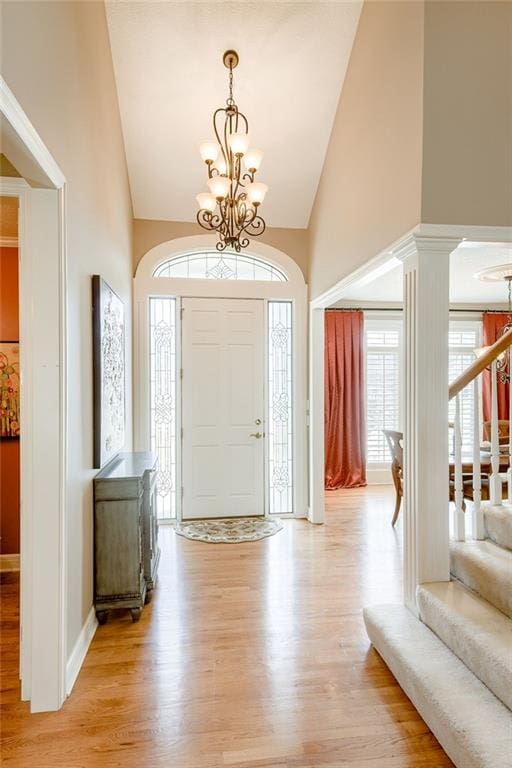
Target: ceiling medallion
{"x":495,"y":274}
{"x":231,"y":206}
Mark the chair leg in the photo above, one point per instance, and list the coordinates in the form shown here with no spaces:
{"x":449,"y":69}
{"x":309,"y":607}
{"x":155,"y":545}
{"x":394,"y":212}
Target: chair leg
{"x":397,"y":509}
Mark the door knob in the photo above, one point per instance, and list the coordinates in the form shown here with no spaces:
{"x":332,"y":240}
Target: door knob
{"x":257,"y":435}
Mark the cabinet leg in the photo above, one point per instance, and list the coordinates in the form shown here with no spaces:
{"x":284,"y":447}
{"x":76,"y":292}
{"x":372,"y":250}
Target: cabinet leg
{"x":135,"y":612}
{"x":149,"y":596}
{"x":102,"y":616}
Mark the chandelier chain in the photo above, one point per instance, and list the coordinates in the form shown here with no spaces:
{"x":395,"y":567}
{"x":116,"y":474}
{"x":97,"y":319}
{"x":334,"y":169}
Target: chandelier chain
{"x":230,"y":101}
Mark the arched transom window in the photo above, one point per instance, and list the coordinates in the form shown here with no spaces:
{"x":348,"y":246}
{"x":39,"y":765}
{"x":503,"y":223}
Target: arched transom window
{"x":213,"y":265}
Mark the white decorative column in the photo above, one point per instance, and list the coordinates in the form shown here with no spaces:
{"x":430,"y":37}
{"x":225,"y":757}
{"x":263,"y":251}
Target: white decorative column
{"x":426,"y":262}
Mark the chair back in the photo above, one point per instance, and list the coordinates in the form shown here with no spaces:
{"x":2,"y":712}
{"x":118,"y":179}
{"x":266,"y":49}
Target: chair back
{"x":395,"y":442}
{"x":503,"y":431}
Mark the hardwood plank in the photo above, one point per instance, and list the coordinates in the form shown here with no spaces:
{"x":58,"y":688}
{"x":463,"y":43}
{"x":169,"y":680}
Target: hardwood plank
{"x":250,"y":656}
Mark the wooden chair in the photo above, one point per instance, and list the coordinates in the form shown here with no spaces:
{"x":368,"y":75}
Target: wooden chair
{"x":395,"y":441}
{"x":503,"y":426}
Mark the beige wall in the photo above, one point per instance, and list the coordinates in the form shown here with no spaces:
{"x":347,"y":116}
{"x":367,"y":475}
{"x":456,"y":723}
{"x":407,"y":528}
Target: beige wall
{"x":56,"y":59}
{"x":467,"y":151}
{"x":148,"y":233}
{"x":369,"y":192}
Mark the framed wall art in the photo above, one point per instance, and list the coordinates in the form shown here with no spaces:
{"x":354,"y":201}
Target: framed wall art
{"x":9,"y":389}
{"x":109,"y":372}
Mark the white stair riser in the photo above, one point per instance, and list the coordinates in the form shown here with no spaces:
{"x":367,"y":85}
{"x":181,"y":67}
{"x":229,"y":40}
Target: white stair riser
{"x":475,"y":631}
{"x":472,"y":726}
{"x":498,"y":524}
{"x":485,"y":568}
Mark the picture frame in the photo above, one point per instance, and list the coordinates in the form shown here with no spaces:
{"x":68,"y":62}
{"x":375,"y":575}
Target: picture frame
{"x":9,"y":390}
{"x":109,"y":385}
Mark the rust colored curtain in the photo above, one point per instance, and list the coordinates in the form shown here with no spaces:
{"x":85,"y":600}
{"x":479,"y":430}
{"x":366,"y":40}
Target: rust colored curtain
{"x":345,"y":459}
{"x":493,"y":322}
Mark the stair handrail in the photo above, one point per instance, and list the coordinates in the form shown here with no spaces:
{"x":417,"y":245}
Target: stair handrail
{"x":480,"y":364}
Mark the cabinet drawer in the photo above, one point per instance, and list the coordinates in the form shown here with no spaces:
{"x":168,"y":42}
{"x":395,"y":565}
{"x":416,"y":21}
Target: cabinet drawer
{"x":122,"y":488}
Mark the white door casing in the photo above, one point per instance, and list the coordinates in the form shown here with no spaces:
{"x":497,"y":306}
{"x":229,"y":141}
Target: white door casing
{"x":43,"y":359}
{"x":222,"y":407}
{"x":146,"y":285}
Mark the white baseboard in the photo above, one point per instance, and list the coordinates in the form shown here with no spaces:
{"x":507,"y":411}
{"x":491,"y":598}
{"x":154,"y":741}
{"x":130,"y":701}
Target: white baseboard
{"x":379,"y":476}
{"x":9,"y":563}
{"x":79,"y":652}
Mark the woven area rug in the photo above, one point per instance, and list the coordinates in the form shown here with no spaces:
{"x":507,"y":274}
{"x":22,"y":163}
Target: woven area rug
{"x":229,"y":531}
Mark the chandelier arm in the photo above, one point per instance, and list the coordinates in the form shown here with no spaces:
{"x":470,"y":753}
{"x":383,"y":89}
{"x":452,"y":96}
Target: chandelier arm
{"x":224,"y":226}
{"x":255,"y":227}
{"x":229,"y":153}
{"x":239,"y":115}
{"x":207,"y":220}
{"x":243,"y":117}
{"x":238,"y":174}
{"x":215,"y":114}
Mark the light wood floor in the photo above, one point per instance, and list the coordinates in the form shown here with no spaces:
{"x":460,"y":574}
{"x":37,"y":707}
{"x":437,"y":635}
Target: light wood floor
{"x":250,"y":656}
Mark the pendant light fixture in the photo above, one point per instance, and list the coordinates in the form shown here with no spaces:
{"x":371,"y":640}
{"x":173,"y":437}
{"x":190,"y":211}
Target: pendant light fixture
{"x":231,"y":206}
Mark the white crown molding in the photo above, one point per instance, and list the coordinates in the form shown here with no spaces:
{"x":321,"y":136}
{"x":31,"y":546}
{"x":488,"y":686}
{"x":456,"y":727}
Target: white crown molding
{"x":14,"y":114}
{"x":79,"y":652}
{"x":417,"y":243}
{"x":367,"y":272}
{"x":8,"y":242}
{"x":11,"y":185}
{"x":437,"y":237}
{"x":478,"y":234}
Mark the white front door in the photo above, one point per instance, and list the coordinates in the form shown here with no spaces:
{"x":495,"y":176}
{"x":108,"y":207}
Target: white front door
{"x":223,"y":408}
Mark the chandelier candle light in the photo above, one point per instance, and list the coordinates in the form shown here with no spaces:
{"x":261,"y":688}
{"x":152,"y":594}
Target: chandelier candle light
{"x":231,"y":206}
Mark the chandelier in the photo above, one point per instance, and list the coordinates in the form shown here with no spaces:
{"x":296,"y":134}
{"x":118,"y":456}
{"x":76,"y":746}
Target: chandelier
{"x":231,"y":206}
{"x":503,"y":272}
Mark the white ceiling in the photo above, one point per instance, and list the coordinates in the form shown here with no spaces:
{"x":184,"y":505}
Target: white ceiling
{"x":170,"y":78}
{"x":468,"y":259}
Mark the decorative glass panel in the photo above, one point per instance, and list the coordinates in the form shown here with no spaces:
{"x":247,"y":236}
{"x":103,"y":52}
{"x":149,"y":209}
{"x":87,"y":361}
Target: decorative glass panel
{"x":212,"y":265}
{"x":280,"y":417}
{"x":162,"y":319}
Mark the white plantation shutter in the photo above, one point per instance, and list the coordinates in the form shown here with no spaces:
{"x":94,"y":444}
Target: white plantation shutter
{"x":383,"y":339}
{"x":464,"y":337}
{"x":383,"y":342}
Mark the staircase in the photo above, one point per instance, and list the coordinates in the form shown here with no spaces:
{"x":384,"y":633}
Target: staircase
{"x":454,"y":658}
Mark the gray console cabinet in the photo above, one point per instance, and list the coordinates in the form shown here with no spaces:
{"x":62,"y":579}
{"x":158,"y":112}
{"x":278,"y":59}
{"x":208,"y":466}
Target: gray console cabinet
{"x":126,"y":551}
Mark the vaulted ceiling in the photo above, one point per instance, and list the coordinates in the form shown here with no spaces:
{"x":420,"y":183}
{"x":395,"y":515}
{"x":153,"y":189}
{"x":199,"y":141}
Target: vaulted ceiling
{"x":170,"y":78}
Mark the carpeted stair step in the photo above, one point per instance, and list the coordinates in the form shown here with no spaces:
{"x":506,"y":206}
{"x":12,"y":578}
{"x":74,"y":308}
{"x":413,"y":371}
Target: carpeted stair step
{"x":479,"y":634}
{"x":498,"y":523}
{"x":471,"y":724}
{"x":485,"y":568}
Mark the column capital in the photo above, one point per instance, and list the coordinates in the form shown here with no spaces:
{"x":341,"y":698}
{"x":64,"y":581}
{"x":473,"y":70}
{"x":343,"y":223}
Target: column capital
{"x":415,"y":243}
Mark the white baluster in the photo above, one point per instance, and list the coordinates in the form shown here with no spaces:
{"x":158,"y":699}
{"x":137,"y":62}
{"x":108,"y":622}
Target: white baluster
{"x":459,"y":528}
{"x":495,"y":479}
{"x":509,"y":471}
{"x":478,"y":516}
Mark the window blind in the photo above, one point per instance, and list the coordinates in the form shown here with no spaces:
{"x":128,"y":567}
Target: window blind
{"x":382,"y":386}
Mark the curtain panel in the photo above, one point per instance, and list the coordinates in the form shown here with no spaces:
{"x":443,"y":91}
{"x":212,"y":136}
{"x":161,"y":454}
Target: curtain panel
{"x":493,"y":322}
{"x":345,"y":450}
